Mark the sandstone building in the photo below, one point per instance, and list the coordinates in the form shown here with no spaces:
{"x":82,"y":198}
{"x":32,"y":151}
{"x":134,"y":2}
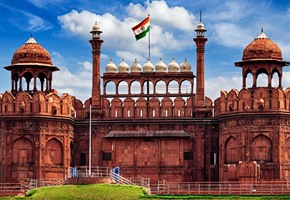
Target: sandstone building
{"x":151,"y":121}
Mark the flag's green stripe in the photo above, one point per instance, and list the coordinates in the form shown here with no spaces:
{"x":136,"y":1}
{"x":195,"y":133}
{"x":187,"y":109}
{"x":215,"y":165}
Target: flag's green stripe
{"x":143,"y":34}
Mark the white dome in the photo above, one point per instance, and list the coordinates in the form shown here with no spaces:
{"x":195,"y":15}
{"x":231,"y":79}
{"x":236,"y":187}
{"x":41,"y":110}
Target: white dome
{"x":173,"y":66}
{"x":96,"y":27}
{"x":200,"y":26}
{"x":111,"y":67}
{"x":160,"y":66}
{"x":123,"y":67}
{"x":185,"y":66}
{"x":148,"y":67}
{"x":136,"y":67}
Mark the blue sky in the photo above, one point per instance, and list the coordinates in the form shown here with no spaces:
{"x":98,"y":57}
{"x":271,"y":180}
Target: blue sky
{"x":63,"y":26}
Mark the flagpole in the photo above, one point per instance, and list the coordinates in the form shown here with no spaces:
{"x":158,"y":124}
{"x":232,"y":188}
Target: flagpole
{"x":90,"y":142}
{"x":149,"y":39}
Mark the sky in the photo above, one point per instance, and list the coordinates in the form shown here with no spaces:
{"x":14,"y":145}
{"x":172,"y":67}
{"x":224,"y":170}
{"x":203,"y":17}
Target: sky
{"x":63,"y":28}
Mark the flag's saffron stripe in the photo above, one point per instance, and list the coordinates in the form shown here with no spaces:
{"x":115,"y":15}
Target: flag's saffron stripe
{"x":143,"y":23}
{"x":143,"y":34}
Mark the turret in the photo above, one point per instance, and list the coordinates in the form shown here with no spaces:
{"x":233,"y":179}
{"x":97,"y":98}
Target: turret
{"x":96,"y":77}
{"x":200,"y":41}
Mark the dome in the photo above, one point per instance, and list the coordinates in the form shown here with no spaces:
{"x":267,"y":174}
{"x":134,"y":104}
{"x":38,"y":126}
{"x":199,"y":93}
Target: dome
{"x":136,"y":67}
{"x":262,"y":48}
{"x":160,"y":66}
{"x":148,"y":67}
{"x":123,"y":67}
{"x":173,"y":66}
{"x":31,"y":53}
{"x":111,"y":67}
{"x":185,"y":66}
{"x":96,"y":27}
{"x":200,"y":26}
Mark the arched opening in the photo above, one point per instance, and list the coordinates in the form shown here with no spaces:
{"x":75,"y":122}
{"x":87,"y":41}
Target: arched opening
{"x":135,"y":87}
{"x":249,"y":80}
{"x":160,"y":87}
{"x":262,"y":78}
{"x":275,"y":79}
{"x":110,"y":88}
{"x":53,"y":152}
{"x":148,"y":87}
{"x":173,"y":87}
{"x":185,"y":87}
{"x":40,"y":82}
{"x":123,"y":87}
{"x":27,"y":82}
{"x":15,"y":79}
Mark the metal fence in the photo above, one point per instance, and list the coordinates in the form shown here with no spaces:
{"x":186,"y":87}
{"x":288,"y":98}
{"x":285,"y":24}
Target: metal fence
{"x":263,"y":188}
{"x":96,"y":171}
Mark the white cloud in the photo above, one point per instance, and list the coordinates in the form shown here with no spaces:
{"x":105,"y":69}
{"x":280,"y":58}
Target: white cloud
{"x":77,"y":83}
{"x":230,"y":35}
{"x":213,"y":86}
{"x":173,"y":17}
{"x":169,"y":28}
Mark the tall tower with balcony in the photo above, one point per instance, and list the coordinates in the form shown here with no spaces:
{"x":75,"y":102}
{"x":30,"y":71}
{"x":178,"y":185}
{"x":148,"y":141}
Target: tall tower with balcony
{"x":200,"y":41}
{"x":96,"y":43}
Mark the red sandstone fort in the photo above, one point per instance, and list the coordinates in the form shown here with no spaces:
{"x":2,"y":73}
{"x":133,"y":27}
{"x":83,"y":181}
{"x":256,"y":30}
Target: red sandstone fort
{"x":151,"y":121}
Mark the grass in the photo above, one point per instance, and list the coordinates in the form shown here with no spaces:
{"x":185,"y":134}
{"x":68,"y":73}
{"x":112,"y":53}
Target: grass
{"x":87,"y":192}
{"x":114,"y":192}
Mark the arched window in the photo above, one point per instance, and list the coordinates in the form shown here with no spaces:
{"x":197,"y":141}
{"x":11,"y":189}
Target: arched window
{"x":232,"y":150}
{"x":261,"y":149}
{"x":53,"y":152}
{"x":22,"y":152}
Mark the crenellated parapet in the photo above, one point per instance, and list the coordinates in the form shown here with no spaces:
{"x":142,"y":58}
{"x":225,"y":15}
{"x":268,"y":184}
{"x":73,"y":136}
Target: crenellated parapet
{"x":253,"y":100}
{"x":39,"y":103}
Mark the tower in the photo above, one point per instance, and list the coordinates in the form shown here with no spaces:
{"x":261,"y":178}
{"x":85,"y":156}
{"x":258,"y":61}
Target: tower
{"x":96,"y":43}
{"x":200,"y":41}
{"x":36,"y":123}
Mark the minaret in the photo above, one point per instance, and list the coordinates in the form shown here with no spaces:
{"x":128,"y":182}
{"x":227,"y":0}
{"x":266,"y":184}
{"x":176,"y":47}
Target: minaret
{"x":96,"y":77}
{"x":200,"y":41}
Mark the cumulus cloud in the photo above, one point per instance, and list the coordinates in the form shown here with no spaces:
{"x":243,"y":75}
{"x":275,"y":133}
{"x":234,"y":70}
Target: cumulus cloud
{"x":169,"y":25}
{"x":230,"y":35}
{"x":213,"y":86}
{"x":172,"y":17}
{"x":77,"y":83}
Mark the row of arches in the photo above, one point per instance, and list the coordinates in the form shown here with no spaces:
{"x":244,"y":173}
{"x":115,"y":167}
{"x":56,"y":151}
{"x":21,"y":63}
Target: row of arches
{"x":31,"y":82}
{"x":149,"y":87}
{"x":261,"y":149}
{"x":262,"y":77}
{"x":23,"y":152}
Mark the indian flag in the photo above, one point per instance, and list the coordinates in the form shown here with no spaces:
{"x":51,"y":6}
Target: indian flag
{"x":141,"y":29}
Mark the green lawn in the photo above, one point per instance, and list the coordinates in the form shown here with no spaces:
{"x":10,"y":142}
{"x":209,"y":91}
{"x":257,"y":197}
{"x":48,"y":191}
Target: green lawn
{"x":114,"y":192}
